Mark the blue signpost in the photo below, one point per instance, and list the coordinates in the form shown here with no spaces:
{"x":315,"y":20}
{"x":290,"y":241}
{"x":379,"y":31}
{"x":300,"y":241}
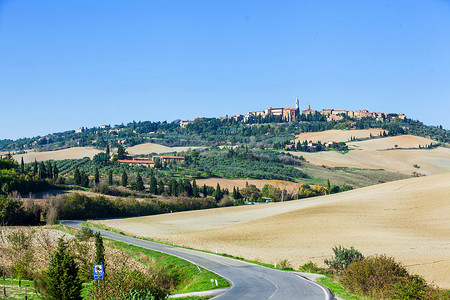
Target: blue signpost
{"x":98,"y":271}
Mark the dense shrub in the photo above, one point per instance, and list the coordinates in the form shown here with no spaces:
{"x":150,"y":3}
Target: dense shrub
{"x":123,"y":283}
{"x":381,"y":277}
{"x":343,"y":257}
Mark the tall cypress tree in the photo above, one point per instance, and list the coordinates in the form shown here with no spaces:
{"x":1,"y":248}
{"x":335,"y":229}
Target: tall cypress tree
{"x":63,"y":282}
{"x":110,"y":177}
{"x":139,"y":184}
{"x":218,"y":194}
{"x":205,"y":191}
{"x":195,"y":190}
{"x":99,"y":250}
{"x":22,"y":165}
{"x":35,"y":167}
{"x":153,"y":185}
{"x":124,"y":178}
{"x":77,"y":176}
{"x":96,"y":176}
{"x":161,"y":187}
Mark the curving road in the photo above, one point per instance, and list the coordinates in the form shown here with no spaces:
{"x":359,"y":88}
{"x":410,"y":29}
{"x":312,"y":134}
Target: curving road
{"x":249,"y":281}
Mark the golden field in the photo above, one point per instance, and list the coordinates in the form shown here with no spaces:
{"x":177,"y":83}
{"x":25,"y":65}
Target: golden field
{"x":407,"y":219}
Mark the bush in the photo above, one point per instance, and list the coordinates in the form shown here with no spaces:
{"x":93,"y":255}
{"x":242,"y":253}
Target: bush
{"x":343,"y":257}
{"x":284,"y":264}
{"x":84,"y":233}
{"x":311,"y":267}
{"x":123,"y":283}
{"x":381,"y":277}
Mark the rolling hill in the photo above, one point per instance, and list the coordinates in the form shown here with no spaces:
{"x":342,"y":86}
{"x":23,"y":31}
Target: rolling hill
{"x":407,"y":219}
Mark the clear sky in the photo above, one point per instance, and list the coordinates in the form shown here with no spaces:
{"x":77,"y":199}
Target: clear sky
{"x":68,"y":64}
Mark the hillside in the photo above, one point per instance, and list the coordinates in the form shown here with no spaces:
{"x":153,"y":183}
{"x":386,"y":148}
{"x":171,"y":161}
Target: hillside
{"x":337,"y":135}
{"x":407,"y":219}
{"x":381,"y":154}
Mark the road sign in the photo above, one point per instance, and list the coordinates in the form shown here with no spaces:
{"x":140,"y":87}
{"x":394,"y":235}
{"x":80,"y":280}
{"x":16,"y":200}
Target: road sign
{"x":98,"y":271}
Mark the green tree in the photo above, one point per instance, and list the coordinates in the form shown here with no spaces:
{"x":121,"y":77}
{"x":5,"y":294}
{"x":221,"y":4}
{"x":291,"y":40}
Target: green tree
{"x":108,"y":154}
{"x":195,"y":190}
{"x":63,"y":282}
{"x":139,"y":184}
{"x":328,"y":186}
{"x":121,"y":152}
{"x":22,"y":165}
{"x":161,"y":187}
{"x":153,"y":184}
{"x":218,"y":194}
{"x":35,"y":167}
{"x":205,"y":191}
{"x":124,"y":179}
{"x":96,"y":176}
{"x":110,"y":177}
{"x":77,"y":176}
{"x":55,"y":172}
{"x":99,"y":250}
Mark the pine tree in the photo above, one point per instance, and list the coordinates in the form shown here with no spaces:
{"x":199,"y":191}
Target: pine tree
{"x":110,"y":177}
{"x":124,"y":179}
{"x":63,"y":282}
{"x":96,"y":176}
{"x":139,"y":184}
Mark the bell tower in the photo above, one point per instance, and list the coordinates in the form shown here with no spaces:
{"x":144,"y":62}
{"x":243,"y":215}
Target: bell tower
{"x":297,"y":104}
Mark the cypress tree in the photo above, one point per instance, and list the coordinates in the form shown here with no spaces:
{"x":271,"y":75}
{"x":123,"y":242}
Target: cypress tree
{"x":49,"y":170}
{"x":77,"y":176}
{"x":218,"y":194}
{"x":99,"y":250}
{"x":55,"y":172}
{"x":22,"y":165}
{"x":124,"y":179}
{"x":96,"y":176}
{"x":63,"y":282}
{"x":35,"y":167}
{"x":110,"y":177}
{"x":195,"y":190}
{"x":139,"y":184}
{"x":153,"y":184}
{"x":161,"y":187}
{"x":108,"y":154}
{"x":205,"y":191}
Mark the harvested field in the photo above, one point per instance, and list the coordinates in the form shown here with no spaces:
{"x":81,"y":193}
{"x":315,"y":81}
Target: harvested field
{"x":318,"y":174}
{"x":337,"y":135}
{"x":70,"y":153}
{"x":149,"y":148}
{"x":382,"y":153}
{"x":407,"y":219}
{"x":240,"y":183}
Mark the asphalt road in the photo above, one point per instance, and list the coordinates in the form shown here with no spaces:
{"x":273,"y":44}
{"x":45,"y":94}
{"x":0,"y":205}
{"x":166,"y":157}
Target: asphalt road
{"x":249,"y":281}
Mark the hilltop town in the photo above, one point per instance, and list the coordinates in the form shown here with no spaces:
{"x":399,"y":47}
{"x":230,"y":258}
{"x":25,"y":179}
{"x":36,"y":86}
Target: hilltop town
{"x":294,"y":114}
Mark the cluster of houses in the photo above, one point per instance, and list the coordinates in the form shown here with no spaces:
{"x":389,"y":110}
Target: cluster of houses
{"x":151,"y":163}
{"x":337,"y":115}
{"x":292,"y":114}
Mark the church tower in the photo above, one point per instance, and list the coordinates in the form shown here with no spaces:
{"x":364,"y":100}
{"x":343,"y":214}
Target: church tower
{"x":297,"y":105}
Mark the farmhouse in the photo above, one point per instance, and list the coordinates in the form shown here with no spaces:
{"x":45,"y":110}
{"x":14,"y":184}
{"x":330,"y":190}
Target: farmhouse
{"x":136,"y":162}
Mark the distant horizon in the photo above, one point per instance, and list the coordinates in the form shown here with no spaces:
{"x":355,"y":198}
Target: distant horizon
{"x":71,"y":64}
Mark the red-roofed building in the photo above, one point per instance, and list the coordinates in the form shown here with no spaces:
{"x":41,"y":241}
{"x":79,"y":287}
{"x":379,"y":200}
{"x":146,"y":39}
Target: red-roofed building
{"x":139,"y":162}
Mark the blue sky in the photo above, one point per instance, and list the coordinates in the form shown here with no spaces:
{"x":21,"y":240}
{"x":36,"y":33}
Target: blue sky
{"x":68,"y":64}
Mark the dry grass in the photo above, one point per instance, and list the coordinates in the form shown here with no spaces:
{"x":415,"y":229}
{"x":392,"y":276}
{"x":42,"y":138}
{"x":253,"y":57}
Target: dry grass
{"x":373,"y":154}
{"x":337,"y":135}
{"x":406,"y":219}
{"x":70,"y":153}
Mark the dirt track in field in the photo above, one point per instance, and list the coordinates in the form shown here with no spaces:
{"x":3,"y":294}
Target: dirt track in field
{"x":407,"y":219}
